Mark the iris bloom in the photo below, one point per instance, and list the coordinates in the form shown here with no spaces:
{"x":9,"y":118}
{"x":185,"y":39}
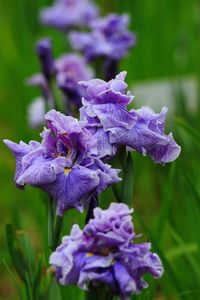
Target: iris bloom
{"x":64,"y":164}
{"x":109,"y":37}
{"x":106,"y":252}
{"x":105,"y":110}
{"x":66,"y":14}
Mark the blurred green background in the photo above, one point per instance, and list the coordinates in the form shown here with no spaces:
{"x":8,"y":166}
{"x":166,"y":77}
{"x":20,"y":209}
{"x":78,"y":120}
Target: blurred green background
{"x":166,"y":199}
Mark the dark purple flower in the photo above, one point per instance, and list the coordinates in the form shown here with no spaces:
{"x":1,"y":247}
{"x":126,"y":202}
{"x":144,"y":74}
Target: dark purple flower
{"x":105,"y":252}
{"x":44,"y":53}
{"x":105,"y":109}
{"x":109,"y":37}
{"x":66,"y":14}
{"x":64,"y":164}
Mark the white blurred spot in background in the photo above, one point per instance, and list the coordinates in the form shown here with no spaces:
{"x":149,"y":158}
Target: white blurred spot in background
{"x":159,"y":93}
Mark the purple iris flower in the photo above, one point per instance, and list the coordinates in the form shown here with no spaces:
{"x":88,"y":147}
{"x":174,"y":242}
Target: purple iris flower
{"x":105,"y":109}
{"x":66,"y":14}
{"x":64,"y":164}
{"x":109,"y":37}
{"x":69,"y":70}
{"x":105,"y":252}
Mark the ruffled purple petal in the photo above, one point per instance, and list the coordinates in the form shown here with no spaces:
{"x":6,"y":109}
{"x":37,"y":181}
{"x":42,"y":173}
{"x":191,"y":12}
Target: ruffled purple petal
{"x":42,"y":172}
{"x":147,"y":136}
{"x":101,"y":92}
{"x":20,"y":151}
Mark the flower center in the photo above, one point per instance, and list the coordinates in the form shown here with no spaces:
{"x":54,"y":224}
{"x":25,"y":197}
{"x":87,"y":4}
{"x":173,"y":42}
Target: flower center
{"x":89,"y":254}
{"x":67,"y":171}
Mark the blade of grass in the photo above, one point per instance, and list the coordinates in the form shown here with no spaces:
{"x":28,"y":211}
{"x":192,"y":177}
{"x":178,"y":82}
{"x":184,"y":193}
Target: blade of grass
{"x":14,"y":280}
{"x":189,"y":129}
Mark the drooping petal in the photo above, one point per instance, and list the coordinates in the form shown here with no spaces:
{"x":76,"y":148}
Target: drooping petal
{"x":20,"y":150}
{"x":42,"y":172}
{"x":73,"y":190}
{"x":126,"y":283}
{"x":148,"y":138}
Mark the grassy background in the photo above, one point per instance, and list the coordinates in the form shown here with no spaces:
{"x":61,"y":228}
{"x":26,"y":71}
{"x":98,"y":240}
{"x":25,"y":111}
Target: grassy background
{"x":166,"y":199}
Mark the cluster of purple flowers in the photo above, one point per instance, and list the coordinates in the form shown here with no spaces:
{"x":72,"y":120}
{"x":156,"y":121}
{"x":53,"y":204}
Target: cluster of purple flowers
{"x":105,"y":252}
{"x":70,"y":162}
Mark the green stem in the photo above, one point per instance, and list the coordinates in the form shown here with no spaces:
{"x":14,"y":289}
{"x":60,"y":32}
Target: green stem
{"x":50,"y":223}
{"x":54,"y":226}
{"x":57,"y":231}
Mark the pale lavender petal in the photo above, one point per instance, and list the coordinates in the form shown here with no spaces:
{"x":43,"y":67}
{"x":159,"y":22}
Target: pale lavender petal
{"x":66,"y":14}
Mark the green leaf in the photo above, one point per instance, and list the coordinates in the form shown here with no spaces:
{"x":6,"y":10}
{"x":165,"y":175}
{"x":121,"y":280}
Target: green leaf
{"x":37,"y":277}
{"x":128,"y":181}
{"x":14,"y":280}
{"x":51,"y":223}
{"x":167,"y":195}
{"x":189,"y":129}
{"x":15,"y":253}
{"x":168,"y":269}
{"x":25,"y":244}
{"x":189,"y":256}
{"x":190,"y":186}
{"x":57,"y":231}
{"x":178,"y":251}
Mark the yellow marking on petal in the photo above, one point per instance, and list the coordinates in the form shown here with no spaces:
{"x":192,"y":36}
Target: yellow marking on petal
{"x":67,"y":171}
{"x":89,"y":254}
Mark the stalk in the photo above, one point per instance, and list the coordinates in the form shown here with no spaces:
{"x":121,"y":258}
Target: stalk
{"x":54,"y":226}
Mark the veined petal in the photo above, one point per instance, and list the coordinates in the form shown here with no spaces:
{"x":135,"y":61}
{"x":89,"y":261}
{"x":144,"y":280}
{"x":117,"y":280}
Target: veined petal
{"x":72,"y":190}
{"x":42,"y":172}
